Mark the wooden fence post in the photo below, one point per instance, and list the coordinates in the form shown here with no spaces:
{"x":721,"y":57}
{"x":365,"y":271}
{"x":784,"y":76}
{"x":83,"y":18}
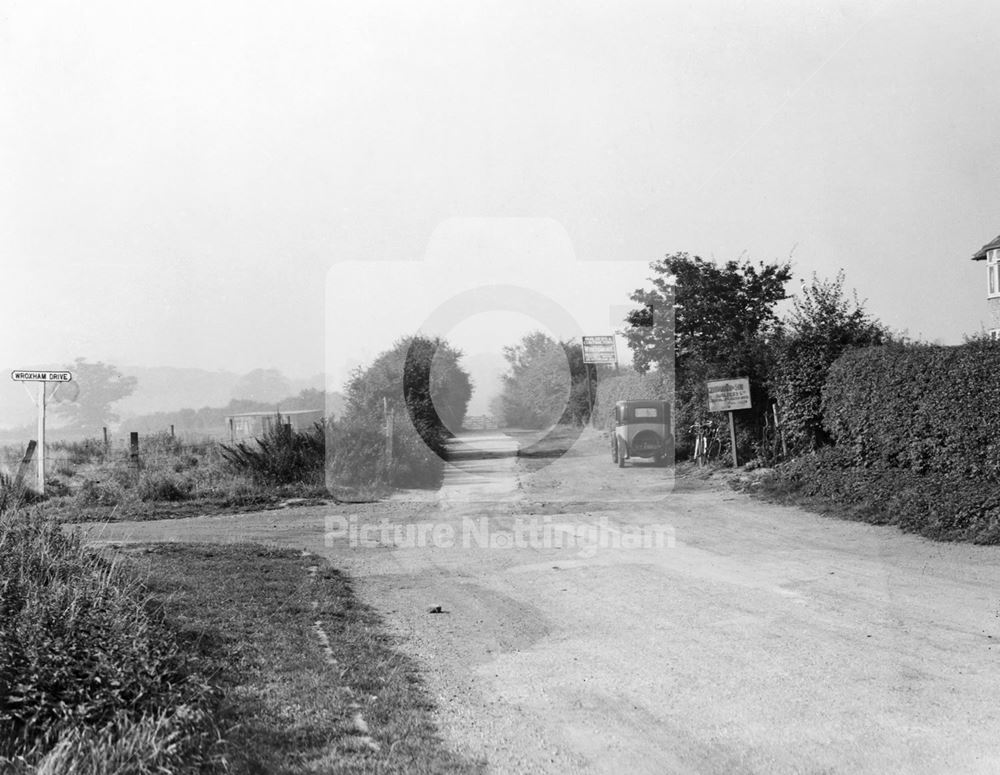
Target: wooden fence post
{"x":133,"y":443}
{"x":22,"y":469}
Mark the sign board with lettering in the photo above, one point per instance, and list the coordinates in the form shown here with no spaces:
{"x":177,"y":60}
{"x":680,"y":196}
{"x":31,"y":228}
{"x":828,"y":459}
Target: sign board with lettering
{"x":729,"y":395}
{"x":41,"y":376}
{"x":599,"y":349}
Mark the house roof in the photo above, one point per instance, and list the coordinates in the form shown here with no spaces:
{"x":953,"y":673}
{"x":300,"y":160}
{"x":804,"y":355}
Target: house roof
{"x":981,"y":255}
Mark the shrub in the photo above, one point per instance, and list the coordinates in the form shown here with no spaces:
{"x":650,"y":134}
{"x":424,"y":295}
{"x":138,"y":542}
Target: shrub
{"x":101,"y":492}
{"x":358,"y":453}
{"x":423,"y":401}
{"x":160,"y":486}
{"x":822,"y":325}
{"x":281,"y":456}
{"x":941,"y":506}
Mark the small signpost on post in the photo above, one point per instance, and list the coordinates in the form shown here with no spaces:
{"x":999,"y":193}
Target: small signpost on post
{"x":729,"y":395}
{"x":598,"y":349}
{"x":41,"y":377}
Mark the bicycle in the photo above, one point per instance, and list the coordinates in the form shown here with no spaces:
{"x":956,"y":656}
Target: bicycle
{"x":707,"y":442}
{"x":770,"y":441}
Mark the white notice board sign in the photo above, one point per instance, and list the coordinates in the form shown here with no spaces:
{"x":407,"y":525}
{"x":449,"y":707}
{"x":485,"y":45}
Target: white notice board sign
{"x":729,"y":395}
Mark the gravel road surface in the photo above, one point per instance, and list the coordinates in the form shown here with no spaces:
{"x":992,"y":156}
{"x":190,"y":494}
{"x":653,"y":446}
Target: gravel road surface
{"x":604,"y":620}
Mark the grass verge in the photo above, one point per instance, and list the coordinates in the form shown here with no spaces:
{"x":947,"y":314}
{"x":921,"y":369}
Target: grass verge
{"x":945,"y":507}
{"x":307,"y":671}
{"x":93,"y":680}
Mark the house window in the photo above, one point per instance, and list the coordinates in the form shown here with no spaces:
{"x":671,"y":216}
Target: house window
{"x":993,"y":273}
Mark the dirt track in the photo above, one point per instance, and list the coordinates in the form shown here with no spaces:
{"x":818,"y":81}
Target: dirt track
{"x":756,"y":639}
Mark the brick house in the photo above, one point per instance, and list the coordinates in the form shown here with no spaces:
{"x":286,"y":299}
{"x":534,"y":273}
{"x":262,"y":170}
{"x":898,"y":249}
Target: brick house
{"x":990,"y":253}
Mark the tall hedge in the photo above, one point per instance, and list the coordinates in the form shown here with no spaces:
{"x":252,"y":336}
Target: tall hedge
{"x":928,"y":409}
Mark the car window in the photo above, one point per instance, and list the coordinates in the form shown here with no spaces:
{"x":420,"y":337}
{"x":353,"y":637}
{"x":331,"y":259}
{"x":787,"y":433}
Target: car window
{"x":645,"y":411}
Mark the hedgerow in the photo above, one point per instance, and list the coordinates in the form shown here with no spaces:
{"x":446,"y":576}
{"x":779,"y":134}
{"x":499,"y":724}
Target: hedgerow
{"x":927,"y":409}
{"x":916,"y":432}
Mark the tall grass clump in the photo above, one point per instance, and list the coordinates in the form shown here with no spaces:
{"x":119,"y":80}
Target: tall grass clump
{"x":12,"y":493}
{"x":280,"y":456}
{"x":92,"y":678}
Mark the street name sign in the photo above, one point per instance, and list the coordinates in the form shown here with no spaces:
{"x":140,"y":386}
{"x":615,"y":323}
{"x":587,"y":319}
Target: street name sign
{"x":41,"y":376}
{"x":729,"y":395}
{"x":599,"y":349}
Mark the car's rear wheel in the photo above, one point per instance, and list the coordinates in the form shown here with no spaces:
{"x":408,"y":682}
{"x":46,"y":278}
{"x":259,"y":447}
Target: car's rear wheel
{"x":614,"y":450}
{"x":621,"y":458}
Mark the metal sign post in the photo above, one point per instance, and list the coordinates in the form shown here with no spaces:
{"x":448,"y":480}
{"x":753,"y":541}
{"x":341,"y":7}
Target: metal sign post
{"x":42,"y":378}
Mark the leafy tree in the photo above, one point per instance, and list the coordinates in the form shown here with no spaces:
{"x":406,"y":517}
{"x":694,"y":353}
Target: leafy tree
{"x":700,"y":321}
{"x":420,"y":381}
{"x":539,"y":387}
{"x":578,"y":406}
{"x":823,"y":323}
{"x":99,"y":385}
{"x":716,"y":310}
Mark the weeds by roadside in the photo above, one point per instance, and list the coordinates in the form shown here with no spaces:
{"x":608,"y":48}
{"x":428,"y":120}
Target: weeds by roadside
{"x":92,"y":680}
{"x":172,"y":478}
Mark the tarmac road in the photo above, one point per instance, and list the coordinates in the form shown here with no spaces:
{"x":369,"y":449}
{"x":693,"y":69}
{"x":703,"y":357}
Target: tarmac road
{"x":744,"y":637}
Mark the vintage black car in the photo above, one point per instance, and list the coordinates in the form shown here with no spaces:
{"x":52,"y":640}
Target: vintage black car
{"x":641,"y":430}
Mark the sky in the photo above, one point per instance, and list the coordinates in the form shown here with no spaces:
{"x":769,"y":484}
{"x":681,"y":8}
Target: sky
{"x":182,"y":183}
